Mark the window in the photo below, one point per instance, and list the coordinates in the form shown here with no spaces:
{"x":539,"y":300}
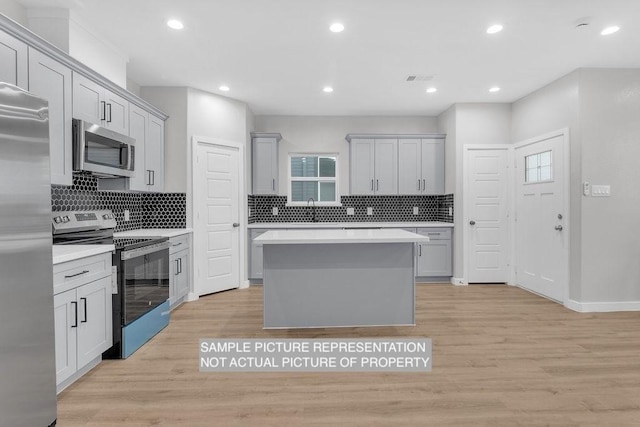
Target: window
{"x":538,"y":167}
{"x":313,"y":176}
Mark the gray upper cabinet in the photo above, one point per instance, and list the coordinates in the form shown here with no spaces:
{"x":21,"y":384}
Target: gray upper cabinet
{"x":95,"y":104}
{"x":373,"y":166}
{"x":51,"y":80}
{"x":265,"y":162}
{"x":139,"y":129}
{"x":154,"y":155}
{"x":421,"y":165}
{"x":13,"y":61}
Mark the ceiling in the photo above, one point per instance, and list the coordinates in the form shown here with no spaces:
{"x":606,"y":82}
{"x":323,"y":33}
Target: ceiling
{"x":277,"y":55}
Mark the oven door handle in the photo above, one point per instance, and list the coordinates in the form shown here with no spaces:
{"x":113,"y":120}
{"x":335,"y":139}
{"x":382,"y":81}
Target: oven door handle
{"x":134,"y":253}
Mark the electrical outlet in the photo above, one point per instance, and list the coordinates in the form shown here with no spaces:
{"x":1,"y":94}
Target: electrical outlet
{"x":416,"y":210}
{"x":450,"y":210}
{"x":369,"y":211}
{"x":127,"y":215}
{"x":274,"y":210}
{"x":351,"y":211}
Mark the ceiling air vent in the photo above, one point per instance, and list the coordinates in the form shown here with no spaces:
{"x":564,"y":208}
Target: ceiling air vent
{"x":418,"y":78}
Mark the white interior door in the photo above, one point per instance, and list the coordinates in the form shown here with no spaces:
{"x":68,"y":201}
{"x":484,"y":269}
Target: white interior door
{"x":487,"y":223}
{"x":542,"y":262}
{"x":217,"y":207}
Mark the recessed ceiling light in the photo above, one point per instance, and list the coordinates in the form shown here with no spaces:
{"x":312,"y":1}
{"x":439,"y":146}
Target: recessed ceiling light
{"x":175,"y":24}
{"x":224,"y":88}
{"x":494,"y":89}
{"x":327,"y":89}
{"x":610,"y":30}
{"x":432,"y":90}
{"x":494,"y":29}
{"x":336,"y":27}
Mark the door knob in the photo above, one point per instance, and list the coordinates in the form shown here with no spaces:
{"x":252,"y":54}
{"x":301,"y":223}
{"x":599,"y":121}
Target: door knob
{"x":472,"y":222}
{"x":236,"y":225}
{"x":559,"y":227}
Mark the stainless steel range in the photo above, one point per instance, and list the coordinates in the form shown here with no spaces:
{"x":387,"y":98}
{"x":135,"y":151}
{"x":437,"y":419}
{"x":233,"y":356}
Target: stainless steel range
{"x":140,"y":306}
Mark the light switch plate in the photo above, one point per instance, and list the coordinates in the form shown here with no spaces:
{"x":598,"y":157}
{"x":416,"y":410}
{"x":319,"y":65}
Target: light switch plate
{"x":600,"y":191}
{"x":369,"y":211}
{"x":274,"y":210}
{"x":351,"y":211}
{"x":416,"y":210}
{"x":127,"y":215}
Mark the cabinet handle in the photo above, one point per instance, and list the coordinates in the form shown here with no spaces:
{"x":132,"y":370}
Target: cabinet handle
{"x":153,"y":177}
{"x":371,"y":185}
{"x":424,"y":184}
{"x":377,"y":184}
{"x":84,"y":302}
{"x":109,"y":119}
{"x":176,"y":244}
{"x":148,"y":177}
{"x":273,"y":184}
{"x":180,"y":259}
{"x":75,"y":309}
{"x":418,"y":185}
{"x":77,"y":274}
{"x":177,"y":269}
{"x":419,"y":250}
{"x":104,"y":110}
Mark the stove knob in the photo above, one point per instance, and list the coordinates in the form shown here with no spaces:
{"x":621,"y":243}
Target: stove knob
{"x":65,"y":219}
{"x":105,"y":216}
{"x":57,"y":219}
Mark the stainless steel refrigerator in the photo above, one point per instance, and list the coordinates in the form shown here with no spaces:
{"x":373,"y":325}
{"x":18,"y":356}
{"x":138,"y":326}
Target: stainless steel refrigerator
{"x":27,"y":345}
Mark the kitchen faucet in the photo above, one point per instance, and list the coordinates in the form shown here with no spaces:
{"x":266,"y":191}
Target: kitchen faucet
{"x":313,"y":209}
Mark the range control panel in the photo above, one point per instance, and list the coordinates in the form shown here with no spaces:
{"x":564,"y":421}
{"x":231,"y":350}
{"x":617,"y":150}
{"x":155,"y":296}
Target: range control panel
{"x":65,"y":222}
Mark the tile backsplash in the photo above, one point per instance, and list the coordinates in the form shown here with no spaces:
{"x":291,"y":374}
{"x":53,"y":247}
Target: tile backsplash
{"x":385,"y":209}
{"x":146,"y":210}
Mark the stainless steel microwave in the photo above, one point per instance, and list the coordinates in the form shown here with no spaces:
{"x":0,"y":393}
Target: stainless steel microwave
{"x":102,"y":151}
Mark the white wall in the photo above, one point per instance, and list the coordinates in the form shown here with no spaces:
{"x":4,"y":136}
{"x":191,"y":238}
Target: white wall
{"x":469,"y":124}
{"x":326,"y":134}
{"x":553,"y":107}
{"x":14,"y":11}
{"x":610,"y":126}
{"x":64,"y":29}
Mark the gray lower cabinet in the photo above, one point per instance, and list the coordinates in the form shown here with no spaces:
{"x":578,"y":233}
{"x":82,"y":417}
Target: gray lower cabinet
{"x":179,"y":282}
{"x":82,"y":315}
{"x":434,"y":257}
{"x":255,"y":255}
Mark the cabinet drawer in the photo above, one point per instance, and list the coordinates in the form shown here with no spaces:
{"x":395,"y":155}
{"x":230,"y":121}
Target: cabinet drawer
{"x":179,"y":243}
{"x":72,"y":274}
{"x":435,"y":233}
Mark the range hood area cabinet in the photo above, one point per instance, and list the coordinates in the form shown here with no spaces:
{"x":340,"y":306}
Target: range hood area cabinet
{"x":383,"y":164}
{"x":265,"y":162}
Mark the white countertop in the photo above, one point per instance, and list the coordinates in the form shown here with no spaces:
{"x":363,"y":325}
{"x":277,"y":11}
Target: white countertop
{"x":152,"y":232}
{"x":64,"y":253}
{"x":278,"y":225}
{"x":384,"y":235}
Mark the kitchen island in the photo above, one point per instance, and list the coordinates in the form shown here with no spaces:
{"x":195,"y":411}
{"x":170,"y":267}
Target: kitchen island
{"x":333,"y":278}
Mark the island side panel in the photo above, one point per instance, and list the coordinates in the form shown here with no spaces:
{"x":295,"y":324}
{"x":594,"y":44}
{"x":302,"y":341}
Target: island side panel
{"x":330,"y":285}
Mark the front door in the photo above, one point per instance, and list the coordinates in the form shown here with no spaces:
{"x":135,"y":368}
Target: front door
{"x":217,"y":207}
{"x":487,"y":222}
{"x":542,"y":261}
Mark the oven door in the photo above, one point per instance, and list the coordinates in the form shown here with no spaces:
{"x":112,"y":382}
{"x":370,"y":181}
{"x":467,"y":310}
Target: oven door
{"x":144,"y":280}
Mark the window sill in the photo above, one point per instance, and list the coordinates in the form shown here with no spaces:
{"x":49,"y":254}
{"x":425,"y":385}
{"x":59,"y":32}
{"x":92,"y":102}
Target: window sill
{"x":310,"y":205}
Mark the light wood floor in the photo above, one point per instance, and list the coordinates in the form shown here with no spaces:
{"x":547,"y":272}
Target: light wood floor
{"x":501,"y":356}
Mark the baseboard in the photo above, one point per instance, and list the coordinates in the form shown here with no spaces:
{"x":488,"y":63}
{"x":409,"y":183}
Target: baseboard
{"x":458,"y":281}
{"x":244,"y":284}
{"x":602,"y":307}
{"x":192,"y":296}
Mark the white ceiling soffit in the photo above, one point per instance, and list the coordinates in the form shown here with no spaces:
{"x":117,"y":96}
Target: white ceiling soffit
{"x":278,"y":55}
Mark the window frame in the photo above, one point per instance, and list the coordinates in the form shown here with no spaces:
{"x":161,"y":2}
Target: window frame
{"x":335,"y":179}
{"x":539,"y":168}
